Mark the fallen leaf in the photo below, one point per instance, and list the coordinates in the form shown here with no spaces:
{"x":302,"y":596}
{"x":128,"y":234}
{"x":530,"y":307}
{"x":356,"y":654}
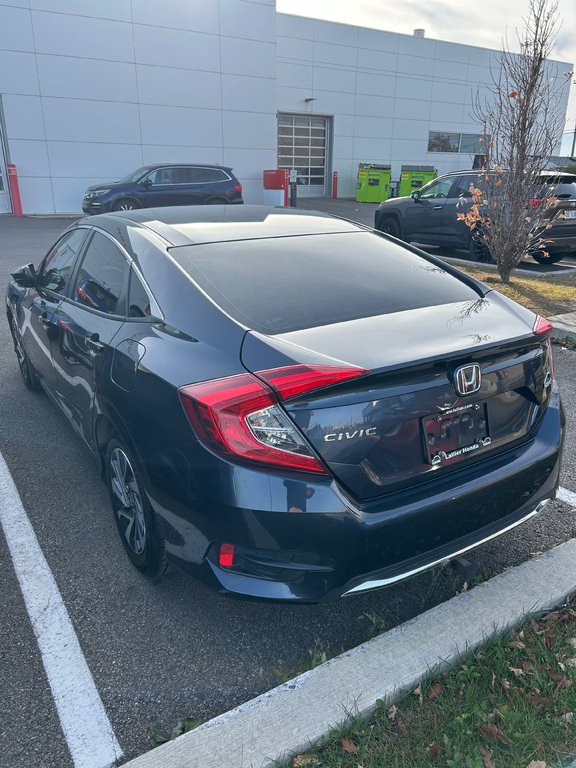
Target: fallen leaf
{"x":571,"y":662}
{"x":505,"y":685}
{"x":517,"y":644}
{"x":572,"y":642}
{"x":433,"y":750}
{"x":402,"y":727}
{"x":435,"y":691}
{"x":536,"y":764}
{"x":517,"y":672}
{"x":300,"y":761}
{"x":512,"y":94}
{"x":526,"y":665}
{"x":486,"y":757}
{"x":561,"y":680}
{"x":392,"y":712}
{"x":493,"y":733}
{"x":493,"y":679}
{"x":418,"y":692}
{"x":567,"y":717}
{"x":538,"y":700}
{"x":348,"y":746}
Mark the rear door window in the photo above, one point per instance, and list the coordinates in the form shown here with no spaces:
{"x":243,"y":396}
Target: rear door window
{"x":188,"y":175}
{"x":288,"y":283}
{"x":462,"y":185}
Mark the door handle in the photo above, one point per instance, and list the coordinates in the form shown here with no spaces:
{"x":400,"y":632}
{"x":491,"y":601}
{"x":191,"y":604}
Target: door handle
{"x":437,"y":207}
{"x":93,"y":342}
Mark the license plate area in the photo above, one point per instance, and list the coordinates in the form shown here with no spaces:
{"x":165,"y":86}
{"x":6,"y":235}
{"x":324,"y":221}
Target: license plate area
{"x":454,"y":435}
{"x":570,"y":214}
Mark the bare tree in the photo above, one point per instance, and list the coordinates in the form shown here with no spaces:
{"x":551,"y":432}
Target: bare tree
{"x":522,"y":118}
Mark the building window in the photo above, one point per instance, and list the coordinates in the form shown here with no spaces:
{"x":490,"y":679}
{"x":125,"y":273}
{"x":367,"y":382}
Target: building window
{"x":469,"y":143}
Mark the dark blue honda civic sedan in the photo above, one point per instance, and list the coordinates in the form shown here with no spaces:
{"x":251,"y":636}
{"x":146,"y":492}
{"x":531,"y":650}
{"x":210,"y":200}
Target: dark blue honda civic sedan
{"x":288,"y":405}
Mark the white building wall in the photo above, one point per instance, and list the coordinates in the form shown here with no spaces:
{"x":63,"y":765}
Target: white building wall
{"x":91,"y":91}
{"x":384,"y":91}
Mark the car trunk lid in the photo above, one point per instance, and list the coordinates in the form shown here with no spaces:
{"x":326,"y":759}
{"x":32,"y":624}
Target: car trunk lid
{"x":406,"y":422}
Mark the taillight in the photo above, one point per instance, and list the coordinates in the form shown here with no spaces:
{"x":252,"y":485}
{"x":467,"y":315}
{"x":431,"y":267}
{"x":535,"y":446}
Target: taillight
{"x":541,"y":326}
{"x":239,"y":417}
{"x":294,"y":380}
{"x":238,"y":188}
{"x":533,"y":202}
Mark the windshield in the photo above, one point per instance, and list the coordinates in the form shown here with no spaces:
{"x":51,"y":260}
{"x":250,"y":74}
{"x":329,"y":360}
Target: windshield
{"x":135,"y":175}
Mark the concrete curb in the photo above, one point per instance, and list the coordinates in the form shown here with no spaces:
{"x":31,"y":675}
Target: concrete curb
{"x":564,"y":326}
{"x":287,"y":719}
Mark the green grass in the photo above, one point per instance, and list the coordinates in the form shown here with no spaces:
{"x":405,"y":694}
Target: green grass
{"x":511,"y":702}
{"x":550,"y":295}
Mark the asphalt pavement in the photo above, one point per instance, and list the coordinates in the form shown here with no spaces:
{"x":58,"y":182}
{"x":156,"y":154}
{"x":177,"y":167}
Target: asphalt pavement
{"x":160,"y":653}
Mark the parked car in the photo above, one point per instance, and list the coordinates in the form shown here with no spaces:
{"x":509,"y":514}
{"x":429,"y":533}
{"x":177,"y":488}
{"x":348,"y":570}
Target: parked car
{"x":165,"y":185}
{"x":430,"y":215}
{"x":288,"y":405}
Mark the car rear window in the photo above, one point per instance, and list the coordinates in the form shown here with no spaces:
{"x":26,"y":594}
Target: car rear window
{"x":289,"y":283}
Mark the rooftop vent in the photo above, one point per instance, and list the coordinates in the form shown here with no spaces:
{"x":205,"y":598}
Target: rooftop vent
{"x":419,"y":32}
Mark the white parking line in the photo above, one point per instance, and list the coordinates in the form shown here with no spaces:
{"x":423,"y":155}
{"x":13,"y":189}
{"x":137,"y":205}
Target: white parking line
{"x":565,"y":495}
{"x":86,"y":727}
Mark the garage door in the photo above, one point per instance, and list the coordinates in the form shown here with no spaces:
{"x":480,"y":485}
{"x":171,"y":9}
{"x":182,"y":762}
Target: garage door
{"x":303,"y":145}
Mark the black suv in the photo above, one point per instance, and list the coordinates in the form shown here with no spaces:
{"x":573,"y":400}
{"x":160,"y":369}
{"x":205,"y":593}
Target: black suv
{"x":430,"y":215}
{"x":161,"y":185}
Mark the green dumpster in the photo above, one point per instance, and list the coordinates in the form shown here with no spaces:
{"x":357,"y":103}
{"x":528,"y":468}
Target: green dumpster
{"x":413,"y":177}
{"x":373,"y":183}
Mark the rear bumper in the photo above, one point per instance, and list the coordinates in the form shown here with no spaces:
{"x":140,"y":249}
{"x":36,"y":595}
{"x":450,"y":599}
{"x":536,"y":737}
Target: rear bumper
{"x":311,"y":543}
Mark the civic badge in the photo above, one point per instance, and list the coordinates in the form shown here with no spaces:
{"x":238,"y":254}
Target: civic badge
{"x":467,"y":379}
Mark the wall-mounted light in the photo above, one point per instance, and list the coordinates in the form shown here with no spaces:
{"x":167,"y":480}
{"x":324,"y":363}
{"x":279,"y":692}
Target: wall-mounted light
{"x":310,"y":98}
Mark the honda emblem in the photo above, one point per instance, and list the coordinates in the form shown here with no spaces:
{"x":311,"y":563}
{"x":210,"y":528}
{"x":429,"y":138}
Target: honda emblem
{"x":467,"y":379}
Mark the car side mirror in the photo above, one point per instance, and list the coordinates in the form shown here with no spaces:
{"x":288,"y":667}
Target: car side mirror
{"x":146,"y":183}
{"x":25,"y":276}
{"x":415,"y":195}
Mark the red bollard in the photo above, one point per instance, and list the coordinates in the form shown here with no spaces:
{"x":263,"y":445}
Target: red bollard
{"x":335,"y":184}
{"x":14,"y":189}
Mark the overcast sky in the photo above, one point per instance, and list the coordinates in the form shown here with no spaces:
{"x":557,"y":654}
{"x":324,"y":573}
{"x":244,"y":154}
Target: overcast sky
{"x":483,"y":23}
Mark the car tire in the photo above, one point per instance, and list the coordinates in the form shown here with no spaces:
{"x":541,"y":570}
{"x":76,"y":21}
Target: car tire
{"x":551,"y":258}
{"x":29,"y":375}
{"x":478,"y":251}
{"x":390,"y":226}
{"x":125,"y":204}
{"x":216,"y":201}
{"x":134,"y":517}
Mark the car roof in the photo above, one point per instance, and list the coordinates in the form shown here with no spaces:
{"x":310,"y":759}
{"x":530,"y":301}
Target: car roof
{"x":550,"y":174}
{"x":196,"y":224}
{"x":151,"y":166}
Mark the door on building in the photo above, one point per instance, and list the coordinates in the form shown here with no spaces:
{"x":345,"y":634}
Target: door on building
{"x":303,"y":145}
{"x":5,"y":206}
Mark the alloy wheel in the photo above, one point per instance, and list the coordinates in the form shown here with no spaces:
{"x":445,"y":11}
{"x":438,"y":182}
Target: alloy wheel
{"x":128,"y":504}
